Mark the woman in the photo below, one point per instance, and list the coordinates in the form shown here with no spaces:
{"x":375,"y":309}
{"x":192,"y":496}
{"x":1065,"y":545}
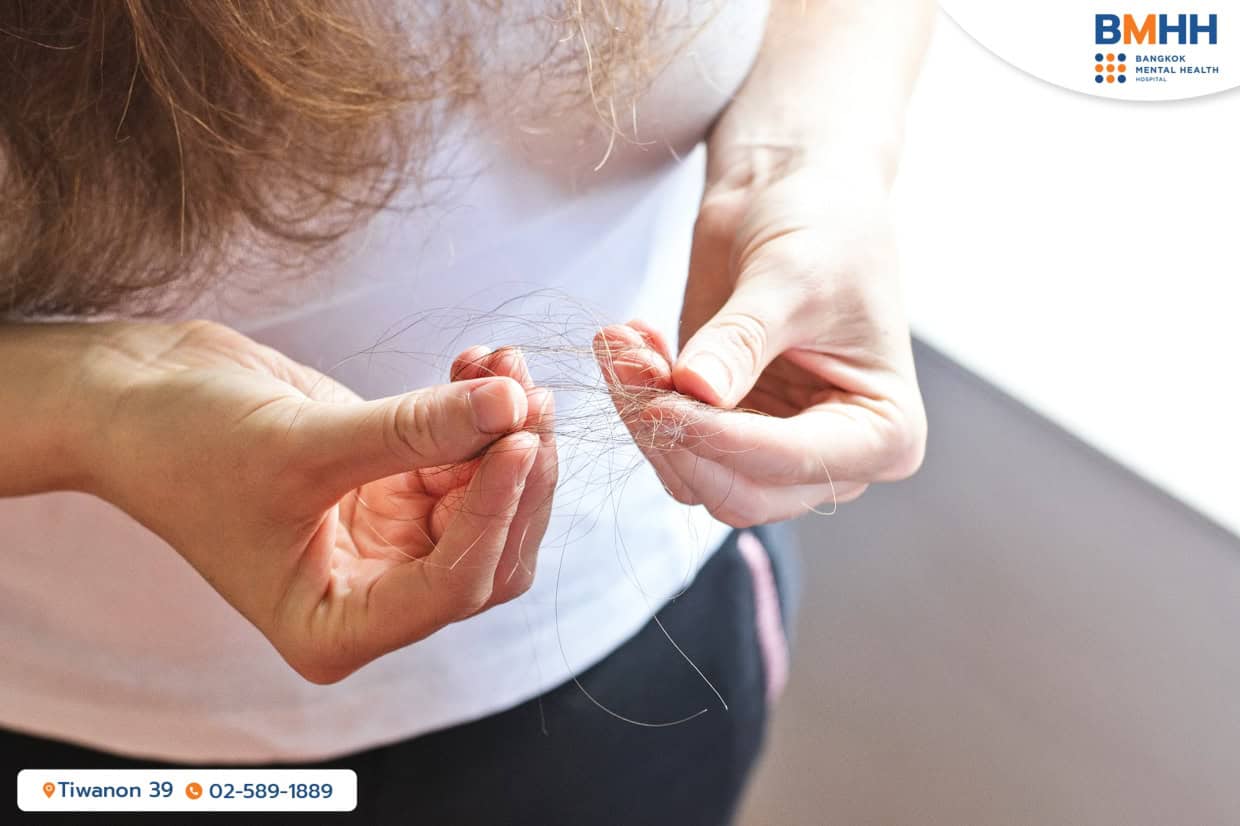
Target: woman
{"x":229,"y":161}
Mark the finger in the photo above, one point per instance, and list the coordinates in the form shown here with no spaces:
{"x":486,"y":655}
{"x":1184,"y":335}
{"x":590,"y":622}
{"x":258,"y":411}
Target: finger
{"x":635,"y":373}
{"x":515,"y":572}
{"x":477,"y":363}
{"x":840,"y":441}
{"x":627,"y":359}
{"x":654,"y":339}
{"x":347,"y":445}
{"x":742,"y":502}
{"x":722,"y":361}
{"x":727,"y":493}
{"x":665,"y":428}
{"x":749,"y":504}
{"x":469,"y":364}
{"x":481,"y":362}
{"x":411,"y":600}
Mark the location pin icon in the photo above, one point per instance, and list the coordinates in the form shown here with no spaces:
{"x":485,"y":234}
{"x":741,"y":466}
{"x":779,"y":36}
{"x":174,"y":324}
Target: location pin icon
{"x":49,"y":789}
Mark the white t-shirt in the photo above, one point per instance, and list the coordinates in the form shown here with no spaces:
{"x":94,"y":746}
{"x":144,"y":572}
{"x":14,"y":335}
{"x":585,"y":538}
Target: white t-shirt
{"x":108,"y":638}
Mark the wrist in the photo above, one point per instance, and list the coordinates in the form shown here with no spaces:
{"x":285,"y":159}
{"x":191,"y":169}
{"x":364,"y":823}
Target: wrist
{"x":50,"y":407}
{"x":864,"y":173}
{"x":118,"y":362}
{"x":864,"y":144}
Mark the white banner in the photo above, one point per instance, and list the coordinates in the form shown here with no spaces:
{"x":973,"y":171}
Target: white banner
{"x":187,"y":790}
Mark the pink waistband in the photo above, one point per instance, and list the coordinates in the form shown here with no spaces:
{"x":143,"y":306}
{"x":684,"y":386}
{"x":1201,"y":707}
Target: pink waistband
{"x":772,"y":641}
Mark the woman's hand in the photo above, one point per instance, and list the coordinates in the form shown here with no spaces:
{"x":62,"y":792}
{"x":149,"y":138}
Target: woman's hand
{"x":342,"y":529}
{"x":793,"y":314}
{"x":792,"y":310}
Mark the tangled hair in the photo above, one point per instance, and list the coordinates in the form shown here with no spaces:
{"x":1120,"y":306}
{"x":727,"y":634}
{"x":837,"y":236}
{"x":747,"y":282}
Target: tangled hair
{"x":147,"y":145}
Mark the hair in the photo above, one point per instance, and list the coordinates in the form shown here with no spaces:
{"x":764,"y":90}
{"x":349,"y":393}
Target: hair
{"x":148,"y":148}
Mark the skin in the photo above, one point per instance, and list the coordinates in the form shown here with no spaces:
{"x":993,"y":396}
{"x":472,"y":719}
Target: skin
{"x":793,"y":330}
{"x":344,"y":529}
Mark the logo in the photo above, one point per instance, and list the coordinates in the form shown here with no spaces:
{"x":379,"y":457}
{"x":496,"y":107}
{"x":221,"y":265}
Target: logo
{"x":1156,"y":29}
{"x":1118,"y":49}
{"x":1114,"y":67}
{"x":1153,"y":38}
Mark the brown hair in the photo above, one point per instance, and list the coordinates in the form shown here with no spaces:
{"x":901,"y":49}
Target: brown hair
{"x":145,"y":144}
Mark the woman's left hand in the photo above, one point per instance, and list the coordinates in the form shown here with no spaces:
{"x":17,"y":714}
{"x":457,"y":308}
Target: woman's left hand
{"x":794,"y":337}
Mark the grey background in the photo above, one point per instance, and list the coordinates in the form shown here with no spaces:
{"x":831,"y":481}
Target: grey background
{"x":1025,"y":633}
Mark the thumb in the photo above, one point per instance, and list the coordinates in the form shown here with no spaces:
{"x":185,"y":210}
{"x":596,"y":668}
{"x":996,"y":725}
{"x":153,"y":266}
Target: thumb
{"x":722,"y":361}
{"x":344,"y":446}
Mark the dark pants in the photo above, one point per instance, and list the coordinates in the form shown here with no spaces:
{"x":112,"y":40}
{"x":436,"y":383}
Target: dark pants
{"x":559,"y":759}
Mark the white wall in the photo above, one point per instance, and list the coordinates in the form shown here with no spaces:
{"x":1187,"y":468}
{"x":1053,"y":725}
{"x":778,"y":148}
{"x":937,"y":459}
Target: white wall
{"x":1084,"y":255}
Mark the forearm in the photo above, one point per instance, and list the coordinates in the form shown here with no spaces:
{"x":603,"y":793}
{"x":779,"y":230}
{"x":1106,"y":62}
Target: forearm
{"x":47,"y":406}
{"x":831,"y":83}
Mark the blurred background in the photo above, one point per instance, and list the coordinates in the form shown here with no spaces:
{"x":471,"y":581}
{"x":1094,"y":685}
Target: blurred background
{"x":1043,"y":626}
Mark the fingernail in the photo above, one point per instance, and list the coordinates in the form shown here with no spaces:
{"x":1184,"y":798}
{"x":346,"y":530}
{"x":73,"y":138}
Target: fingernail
{"x":711,"y":369}
{"x":540,"y":404}
{"x":624,"y":336}
{"x":495,"y":405}
{"x":542,"y":400}
{"x":477,"y":354}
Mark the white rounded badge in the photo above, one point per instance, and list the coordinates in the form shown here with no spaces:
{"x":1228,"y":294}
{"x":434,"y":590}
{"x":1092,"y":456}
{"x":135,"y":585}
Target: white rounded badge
{"x":1161,"y":50}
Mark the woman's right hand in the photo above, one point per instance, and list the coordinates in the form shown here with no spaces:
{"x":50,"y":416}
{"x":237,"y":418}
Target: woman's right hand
{"x":343,"y":529}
